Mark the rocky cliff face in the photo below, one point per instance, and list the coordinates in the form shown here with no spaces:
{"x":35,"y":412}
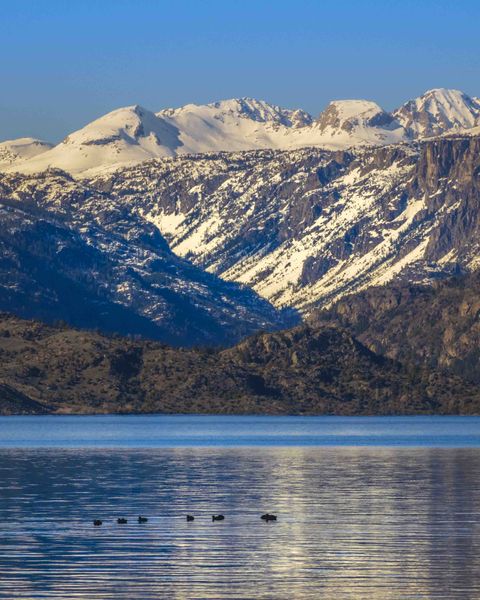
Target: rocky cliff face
{"x":435,"y":327}
{"x":350,"y":115}
{"x":303,"y":228}
{"x":306,"y":370}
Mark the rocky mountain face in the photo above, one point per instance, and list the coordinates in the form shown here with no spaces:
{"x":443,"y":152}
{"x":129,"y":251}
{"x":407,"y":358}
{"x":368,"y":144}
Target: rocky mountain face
{"x":303,"y":228}
{"x":133,"y":134}
{"x":435,"y":327}
{"x":306,"y":370}
{"x":70,"y":252}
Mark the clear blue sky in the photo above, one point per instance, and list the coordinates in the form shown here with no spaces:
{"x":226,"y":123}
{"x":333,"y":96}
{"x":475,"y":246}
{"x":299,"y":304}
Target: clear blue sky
{"x":67,"y":62}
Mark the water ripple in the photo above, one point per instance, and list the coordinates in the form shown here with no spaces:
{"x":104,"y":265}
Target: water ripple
{"x":353,"y":524}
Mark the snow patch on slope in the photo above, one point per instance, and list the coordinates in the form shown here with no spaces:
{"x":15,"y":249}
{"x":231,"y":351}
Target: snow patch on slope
{"x":299,"y":227}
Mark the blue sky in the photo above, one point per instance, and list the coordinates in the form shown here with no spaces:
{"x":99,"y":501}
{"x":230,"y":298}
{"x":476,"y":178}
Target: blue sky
{"x":67,"y":62}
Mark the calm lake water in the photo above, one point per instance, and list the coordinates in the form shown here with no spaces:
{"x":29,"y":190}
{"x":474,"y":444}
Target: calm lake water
{"x":368,"y":508}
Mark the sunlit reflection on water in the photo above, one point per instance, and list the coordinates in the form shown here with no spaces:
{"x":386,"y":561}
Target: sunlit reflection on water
{"x":352,"y":523}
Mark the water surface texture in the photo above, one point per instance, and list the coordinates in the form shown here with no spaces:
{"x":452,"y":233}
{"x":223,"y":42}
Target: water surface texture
{"x":150,"y":431}
{"x":383,"y":521}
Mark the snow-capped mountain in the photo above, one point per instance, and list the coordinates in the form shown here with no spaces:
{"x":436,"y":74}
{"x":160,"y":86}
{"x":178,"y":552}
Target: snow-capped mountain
{"x":237,"y":124}
{"x":438,"y":111}
{"x":230,"y":111}
{"x":371,"y":199}
{"x":125,"y":136}
{"x":301,"y":227}
{"x":132,"y":135}
{"x":248,"y":124}
{"x":13,"y":152}
{"x":346,"y":123}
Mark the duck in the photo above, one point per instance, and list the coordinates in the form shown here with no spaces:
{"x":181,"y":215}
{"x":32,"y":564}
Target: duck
{"x":218,"y":517}
{"x":190,"y":518}
{"x":142,"y":519}
{"x":122,"y":521}
{"x":268,"y":517}
{"x":97,"y":522}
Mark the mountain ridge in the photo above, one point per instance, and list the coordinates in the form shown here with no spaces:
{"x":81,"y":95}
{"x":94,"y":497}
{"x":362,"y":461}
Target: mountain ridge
{"x":133,"y":134}
{"x":305,"y":370}
{"x":178,"y":243}
{"x":302,"y":228}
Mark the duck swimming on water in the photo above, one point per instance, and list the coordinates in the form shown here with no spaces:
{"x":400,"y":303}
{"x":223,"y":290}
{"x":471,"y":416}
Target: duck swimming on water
{"x":190,"y":518}
{"x":142,"y":519}
{"x":268,"y":517}
{"x":218,"y":517}
{"x":97,"y":522}
{"x":122,"y":521}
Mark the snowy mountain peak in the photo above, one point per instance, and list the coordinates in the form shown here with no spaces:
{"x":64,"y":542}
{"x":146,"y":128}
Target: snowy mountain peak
{"x":241,"y":108}
{"x":21,"y":149}
{"x":352,"y":108}
{"x":27,"y":146}
{"x":124,"y":136}
{"x":438,"y":111}
{"x":346,"y":115}
{"x":359,"y":122}
{"x":130,"y":124}
{"x":261,"y":111}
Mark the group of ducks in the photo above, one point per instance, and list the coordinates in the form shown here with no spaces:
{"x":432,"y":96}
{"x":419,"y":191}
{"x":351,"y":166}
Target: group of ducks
{"x":122,"y":521}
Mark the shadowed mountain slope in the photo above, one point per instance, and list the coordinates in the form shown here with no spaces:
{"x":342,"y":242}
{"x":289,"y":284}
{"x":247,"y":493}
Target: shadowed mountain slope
{"x":69,"y":252}
{"x":435,"y":326}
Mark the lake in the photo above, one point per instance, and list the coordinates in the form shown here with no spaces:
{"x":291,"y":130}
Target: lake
{"x":368,"y":508}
